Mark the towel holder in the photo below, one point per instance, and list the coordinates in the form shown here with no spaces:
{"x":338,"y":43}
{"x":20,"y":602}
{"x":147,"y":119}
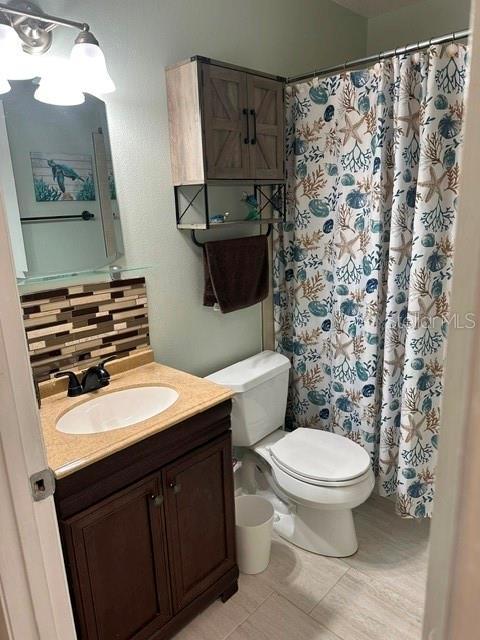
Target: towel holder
{"x":276,"y":198}
{"x":197,"y":243}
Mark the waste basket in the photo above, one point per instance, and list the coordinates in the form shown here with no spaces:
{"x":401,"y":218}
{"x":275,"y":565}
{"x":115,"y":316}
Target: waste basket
{"x":254,"y":523}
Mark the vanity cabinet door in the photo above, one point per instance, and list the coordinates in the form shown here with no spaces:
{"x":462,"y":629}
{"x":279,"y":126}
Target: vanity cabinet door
{"x":267,"y":140}
{"x":118,"y":564}
{"x":225,"y":119}
{"x":200,"y":519}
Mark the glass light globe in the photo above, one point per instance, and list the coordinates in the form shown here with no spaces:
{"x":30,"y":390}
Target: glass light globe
{"x":90,"y":69}
{"x":58,"y":86}
{"x":20,"y":67}
{"x":4,"y":86}
{"x":15,"y":64}
{"x":10,"y":43}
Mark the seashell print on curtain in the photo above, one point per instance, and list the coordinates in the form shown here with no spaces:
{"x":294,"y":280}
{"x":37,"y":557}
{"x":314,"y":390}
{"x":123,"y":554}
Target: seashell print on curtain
{"x":363,"y":266}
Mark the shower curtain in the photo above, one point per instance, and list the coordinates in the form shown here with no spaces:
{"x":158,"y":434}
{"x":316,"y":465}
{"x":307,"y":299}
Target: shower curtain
{"x":362,"y":268}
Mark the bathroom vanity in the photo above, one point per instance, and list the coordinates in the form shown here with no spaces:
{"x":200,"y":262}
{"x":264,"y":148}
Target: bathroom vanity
{"x":146,"y":513}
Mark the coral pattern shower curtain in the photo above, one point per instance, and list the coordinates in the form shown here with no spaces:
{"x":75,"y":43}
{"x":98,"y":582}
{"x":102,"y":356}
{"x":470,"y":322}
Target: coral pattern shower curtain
{"x":363,"y":266}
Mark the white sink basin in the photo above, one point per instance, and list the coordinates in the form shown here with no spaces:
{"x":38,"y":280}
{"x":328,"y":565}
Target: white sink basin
{"x":117,"y":410}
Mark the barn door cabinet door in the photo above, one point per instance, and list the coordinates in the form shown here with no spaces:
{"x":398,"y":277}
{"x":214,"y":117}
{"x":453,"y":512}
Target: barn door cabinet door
{"x":120,"y":577}
{"x":225,"y":117}
{"x":200,"y":519}
{"x":266,"y":112}
{"x":243,"y":117}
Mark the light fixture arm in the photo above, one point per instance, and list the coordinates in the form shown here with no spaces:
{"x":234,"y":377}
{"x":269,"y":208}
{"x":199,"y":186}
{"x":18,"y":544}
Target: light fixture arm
{"x":44,"y":17}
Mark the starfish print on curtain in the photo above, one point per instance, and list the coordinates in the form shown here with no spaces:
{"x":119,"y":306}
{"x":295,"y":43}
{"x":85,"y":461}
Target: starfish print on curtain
{"x":362,"y":268}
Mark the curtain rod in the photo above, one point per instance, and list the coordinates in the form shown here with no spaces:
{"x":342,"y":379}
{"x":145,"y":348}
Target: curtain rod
{"x":458,"y":35}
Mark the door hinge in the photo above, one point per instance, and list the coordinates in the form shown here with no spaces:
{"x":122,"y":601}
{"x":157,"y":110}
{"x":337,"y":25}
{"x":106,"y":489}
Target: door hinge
{"x":42,"y":484}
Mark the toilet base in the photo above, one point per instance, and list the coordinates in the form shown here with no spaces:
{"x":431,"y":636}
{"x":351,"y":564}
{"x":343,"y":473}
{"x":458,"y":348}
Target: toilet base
{"x":326,"y":528}
{"x":326,"y":532}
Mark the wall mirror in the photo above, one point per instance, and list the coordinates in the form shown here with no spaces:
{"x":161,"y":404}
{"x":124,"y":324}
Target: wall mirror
{"x":58,"y":185}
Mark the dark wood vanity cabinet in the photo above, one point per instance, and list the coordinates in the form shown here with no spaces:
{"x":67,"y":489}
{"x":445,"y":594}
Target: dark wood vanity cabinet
{"x":120,"y":564}
{"x":200,"y":520}
{"x":148,"y":533}
{"x":226,"y":123}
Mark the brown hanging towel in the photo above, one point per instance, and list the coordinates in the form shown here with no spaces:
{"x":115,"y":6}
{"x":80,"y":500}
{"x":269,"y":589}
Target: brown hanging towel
{"x":236,"y":272}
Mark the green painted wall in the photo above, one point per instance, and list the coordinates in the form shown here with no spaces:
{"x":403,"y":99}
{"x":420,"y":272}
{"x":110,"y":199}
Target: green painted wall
{"x":417,"y":22}
{"x":139,"y":40}
{"x":278,"y":36}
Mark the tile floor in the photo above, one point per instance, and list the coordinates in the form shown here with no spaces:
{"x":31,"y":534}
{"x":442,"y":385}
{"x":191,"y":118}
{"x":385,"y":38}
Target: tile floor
{"x":377,"y":594}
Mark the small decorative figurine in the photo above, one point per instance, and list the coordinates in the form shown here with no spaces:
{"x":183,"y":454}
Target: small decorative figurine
{"x":218,"y":218}
{"x":252,"y":204}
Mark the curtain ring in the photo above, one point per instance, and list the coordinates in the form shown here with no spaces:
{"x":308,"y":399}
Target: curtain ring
{"x":454,"y":36}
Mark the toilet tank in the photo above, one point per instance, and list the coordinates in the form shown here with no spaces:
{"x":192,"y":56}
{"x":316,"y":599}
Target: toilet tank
{"x":260,"y":384}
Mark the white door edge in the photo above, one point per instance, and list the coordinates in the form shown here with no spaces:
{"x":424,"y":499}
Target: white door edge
{"x":33,"y":583}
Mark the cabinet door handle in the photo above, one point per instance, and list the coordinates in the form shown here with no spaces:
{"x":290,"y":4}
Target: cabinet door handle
{"x":157,"y":500}
{"x":247,"y":139}
{"x":176,"y":487}
{"x":254,"y":114}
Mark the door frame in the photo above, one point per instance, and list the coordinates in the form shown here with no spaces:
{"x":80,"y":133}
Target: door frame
{"x":453,"y":584}
{"x":34,"y":595}
{"x":34,"y":599}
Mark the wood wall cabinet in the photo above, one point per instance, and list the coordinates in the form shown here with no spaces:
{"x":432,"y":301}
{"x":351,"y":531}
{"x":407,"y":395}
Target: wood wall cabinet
{"x":148,"y":533}
{"x":226,"y":123}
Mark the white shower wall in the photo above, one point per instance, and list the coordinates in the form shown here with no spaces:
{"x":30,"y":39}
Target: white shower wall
{"x":416,"y":22}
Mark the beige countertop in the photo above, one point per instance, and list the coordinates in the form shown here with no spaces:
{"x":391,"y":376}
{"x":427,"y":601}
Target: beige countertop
{"x":67,"y":453}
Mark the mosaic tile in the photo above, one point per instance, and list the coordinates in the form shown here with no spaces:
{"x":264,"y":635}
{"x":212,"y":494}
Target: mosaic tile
{"x":73,"y":327}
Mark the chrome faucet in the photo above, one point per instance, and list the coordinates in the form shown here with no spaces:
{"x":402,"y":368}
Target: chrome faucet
{"x":93,"y":378}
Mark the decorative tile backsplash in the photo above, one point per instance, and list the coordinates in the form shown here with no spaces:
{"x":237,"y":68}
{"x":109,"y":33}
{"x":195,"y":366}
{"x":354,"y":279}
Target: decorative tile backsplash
{"x":78,"y":325}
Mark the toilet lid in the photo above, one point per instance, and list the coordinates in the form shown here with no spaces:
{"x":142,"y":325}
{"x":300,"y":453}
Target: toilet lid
{"x":320,"y":456}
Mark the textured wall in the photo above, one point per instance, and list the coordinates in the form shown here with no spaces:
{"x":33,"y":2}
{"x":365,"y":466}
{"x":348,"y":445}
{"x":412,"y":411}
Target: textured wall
{"x":417,"y":22}
{"x":140,"y":39}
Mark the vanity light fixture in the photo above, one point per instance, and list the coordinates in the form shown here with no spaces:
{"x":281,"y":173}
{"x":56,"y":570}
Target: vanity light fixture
{"x":25,"y":29}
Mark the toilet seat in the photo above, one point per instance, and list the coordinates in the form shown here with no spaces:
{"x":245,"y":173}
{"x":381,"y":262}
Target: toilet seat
{"x":320,"y":458}
{"x":327,"y":496}
{"x":319,"y":494}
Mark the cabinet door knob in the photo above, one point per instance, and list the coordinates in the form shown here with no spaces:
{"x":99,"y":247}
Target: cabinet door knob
{"x":157,"y":500}
{"x":176,"y":487}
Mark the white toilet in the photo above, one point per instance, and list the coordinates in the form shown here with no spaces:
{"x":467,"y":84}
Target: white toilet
{"x":316,"y":477}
